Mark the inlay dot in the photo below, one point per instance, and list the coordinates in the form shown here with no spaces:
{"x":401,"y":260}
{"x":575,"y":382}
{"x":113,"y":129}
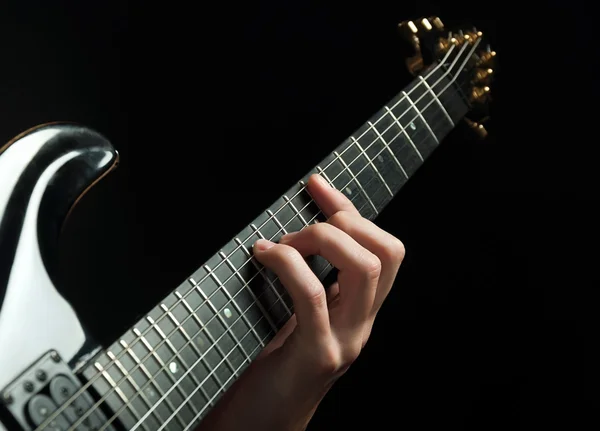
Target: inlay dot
{"x":173,"y":367}
{"x":412,"y":126}
{"x":348,"y":190}
{"x":380,"y":158}
{"x":200,"y":341}
{"x":150,"y":392}
{"x":227,"y":313}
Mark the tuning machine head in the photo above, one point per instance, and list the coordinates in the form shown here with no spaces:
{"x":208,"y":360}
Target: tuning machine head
{"x":421,"y":34}
{"x":466,"y":65}
{"x":478,"y":127}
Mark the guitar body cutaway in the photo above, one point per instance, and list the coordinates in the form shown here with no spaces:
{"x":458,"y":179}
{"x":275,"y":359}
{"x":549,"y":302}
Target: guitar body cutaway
{"x":43,"y":173}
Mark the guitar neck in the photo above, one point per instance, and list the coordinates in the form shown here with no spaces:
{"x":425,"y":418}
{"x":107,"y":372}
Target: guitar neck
{"x":173,"y":365}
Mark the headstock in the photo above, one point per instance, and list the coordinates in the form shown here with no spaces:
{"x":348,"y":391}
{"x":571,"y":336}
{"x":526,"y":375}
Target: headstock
{"x":464,"y":54}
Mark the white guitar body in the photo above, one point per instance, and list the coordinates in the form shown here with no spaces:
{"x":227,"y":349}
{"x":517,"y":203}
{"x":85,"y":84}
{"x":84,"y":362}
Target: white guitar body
{"x":42,"y":174}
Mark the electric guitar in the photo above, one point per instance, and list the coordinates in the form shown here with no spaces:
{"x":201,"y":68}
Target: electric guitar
{"x":172,"y":366}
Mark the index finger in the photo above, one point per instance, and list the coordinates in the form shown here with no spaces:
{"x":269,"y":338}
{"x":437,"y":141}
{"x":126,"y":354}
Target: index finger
{"x":327,"y":198}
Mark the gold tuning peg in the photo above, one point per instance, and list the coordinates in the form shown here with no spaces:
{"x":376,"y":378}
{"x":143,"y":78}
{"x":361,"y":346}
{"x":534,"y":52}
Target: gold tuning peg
{"x":483,"y":75}
{"x":478,"y":127}
{"x":480,"y":93}
{"x":486,"y":57}
{"x":437,"y":22}
{"x":410,"y":32}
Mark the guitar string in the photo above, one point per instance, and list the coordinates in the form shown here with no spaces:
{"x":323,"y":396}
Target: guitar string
{"x":224,"y":306}
{"x":190,"y":368}
{"x":75,"y":395}
{"x":221,"y":389}
{"x":367,"y":147}
{"x":275,"y":280}
{"x":194,"y":391}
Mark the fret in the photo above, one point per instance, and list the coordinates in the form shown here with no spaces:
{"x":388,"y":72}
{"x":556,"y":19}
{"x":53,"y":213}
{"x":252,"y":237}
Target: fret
{"x":278,"y":223}
{"x":430,"y":109}
{"x":175,"y":360}
{"x":207,"y":331}
{"x":306,"y":205}
{"x":364,"y":154}
{"x":420,"y":115}
{"x":110,"y":397}
{"x":425,"y":84}
{"x":406,"y":118}
{"x":264,"y":276}
{"x":149,"y":386}
{"x":128,"y":420}
{"x":244,"y":315}
{"x":219,"y":325}
{"x":286,"y":218}
{"x":347,"y":168}
{"x":273,"y":305}
{"x":387,"y":163}
{"x":358,"y":164}
{"x":162,"y":373}
{"x":269,"y":228}
{"x":213,"y":343}
{"x":197,"y":343}
{"x":396,"y":142}
{"x":142,"y":408}
{"x":403,"y":130}
{"x":455,"y":105}
{"x":337,"y":174}
{"x":297,"y":213}
{"x":324,"y":175}
{"x":202,"y":411}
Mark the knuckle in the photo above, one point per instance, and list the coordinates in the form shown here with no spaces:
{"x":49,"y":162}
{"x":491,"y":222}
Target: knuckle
{"x":321,"y":229}
{"x":315,"y":294}
{"x":371,"y":266}
{"x":393,"y":250}
{"x":342,"y":220}
{"x":330,"y":359}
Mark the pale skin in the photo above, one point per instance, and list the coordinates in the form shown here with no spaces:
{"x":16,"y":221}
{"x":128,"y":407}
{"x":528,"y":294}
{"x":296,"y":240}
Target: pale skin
{"x":282,"y":388}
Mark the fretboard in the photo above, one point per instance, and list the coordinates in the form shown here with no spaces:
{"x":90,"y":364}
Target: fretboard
{"x":173,"y":365}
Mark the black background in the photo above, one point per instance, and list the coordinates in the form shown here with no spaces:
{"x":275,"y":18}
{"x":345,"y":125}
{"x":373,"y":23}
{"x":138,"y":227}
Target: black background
{"x":216,"y":109}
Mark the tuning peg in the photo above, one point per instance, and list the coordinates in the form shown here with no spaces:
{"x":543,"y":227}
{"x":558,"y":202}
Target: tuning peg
{"x":480,"y":94}
{"x":478,"y":127}
{"x":486,"y":57}
{"x":483,"y":75}
{"x":409,"y":31}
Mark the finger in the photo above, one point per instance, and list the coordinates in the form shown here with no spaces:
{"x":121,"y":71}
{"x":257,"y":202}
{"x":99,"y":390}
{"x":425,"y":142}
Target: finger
{"x":385,"y":246}
{"x":333,"y":292}
{"x":358,"y":267}
{"x":307,"y":292}
{"x":327,"y":198}
{"x":279,"y":338}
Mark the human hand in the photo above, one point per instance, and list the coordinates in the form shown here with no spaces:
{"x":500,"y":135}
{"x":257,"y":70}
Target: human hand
{"x":284,"y":385}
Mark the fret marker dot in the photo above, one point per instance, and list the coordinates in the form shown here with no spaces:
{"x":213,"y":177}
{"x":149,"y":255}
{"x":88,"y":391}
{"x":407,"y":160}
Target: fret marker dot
{"x":380,"y":158}
{"x":348,"y":190}
{"x":150,"y":392}
{"x":200,"y":341}
{"x":227,"y":313}
{"x":412,"y":126}
{"x":173,"y":367}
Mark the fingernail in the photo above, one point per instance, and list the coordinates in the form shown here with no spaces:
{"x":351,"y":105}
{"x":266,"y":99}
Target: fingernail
{"x":262,"y":245}
{"x":323,"y":181}
{"x":287,"y":237}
